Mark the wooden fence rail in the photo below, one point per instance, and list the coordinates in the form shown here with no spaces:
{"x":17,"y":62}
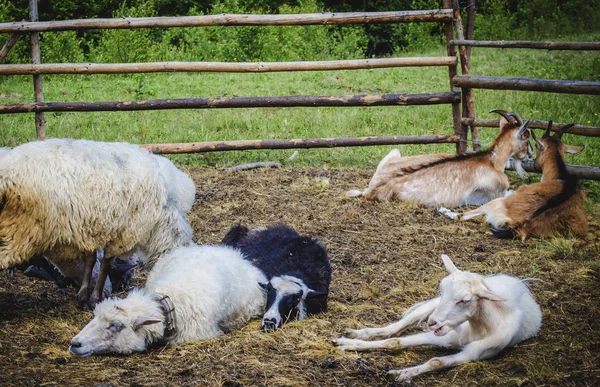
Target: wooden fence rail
{"x":436,"y":15}
{"x":590,"y":173}
{"x":581,"y":130}
{"x":580,"y":46}
{"x":246,"y":67}
{"x":217,"y":146}
{"x":237,"y":102}
{"x":528,"y":84}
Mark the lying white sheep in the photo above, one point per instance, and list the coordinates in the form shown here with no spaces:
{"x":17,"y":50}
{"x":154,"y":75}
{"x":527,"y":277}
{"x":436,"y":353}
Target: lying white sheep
{"x":480,"y":315}
{"x":68,"y":198}
{"x":196,"y":292}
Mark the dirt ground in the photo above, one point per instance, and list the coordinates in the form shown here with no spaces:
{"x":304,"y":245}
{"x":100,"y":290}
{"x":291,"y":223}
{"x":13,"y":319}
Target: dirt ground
{"x":385,"y":257}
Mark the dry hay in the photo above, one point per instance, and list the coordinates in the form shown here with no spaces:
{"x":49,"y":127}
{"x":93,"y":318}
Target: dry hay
{"x":385,"y":257}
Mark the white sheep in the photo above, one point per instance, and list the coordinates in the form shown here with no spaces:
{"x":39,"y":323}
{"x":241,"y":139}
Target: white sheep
{"x":179,"y":184}
{"x":4,"y":151}
{"x":68,"y":198}
{"x":210,"y":290}
{"x":480,"y":315}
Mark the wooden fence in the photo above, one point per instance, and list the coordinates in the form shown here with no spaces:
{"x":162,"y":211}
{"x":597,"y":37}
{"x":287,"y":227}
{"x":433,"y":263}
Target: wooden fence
{"x":459,"y":96}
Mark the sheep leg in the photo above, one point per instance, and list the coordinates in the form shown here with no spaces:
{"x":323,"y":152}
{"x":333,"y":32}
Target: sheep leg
{"x":82,"y":294}
{"x":417,"y":313}
{"x":427,"y":338}
{"x":96,"y":295}
{"x":476,"y":350}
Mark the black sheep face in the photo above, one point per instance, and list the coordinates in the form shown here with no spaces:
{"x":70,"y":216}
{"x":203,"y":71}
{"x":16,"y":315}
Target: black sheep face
{"x":285,"y":301}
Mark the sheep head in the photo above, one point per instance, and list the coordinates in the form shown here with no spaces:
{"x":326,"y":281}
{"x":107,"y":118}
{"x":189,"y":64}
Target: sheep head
{"x":460,"y":295}
{"x":285,"y":301}
{"x":120,"y":326}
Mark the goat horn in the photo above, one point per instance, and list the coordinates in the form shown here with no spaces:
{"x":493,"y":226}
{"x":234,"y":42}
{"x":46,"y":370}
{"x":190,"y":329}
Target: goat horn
{"x":558,"y":134}
{"x":547,"y":133}
{"x":503,"y":113}
{"x":523,"y":128}
{"x":517,"y":117}
{"x":548,"y":128}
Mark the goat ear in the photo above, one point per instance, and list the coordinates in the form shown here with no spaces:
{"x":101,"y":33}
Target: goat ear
{"x":573,"y":148}
{"x":144,"y":320}
{"x":522,"y":129}
{"x":486,"y":294}
{"x":538,"y":144}
{"x":313,"y":294}
{"x":449,"y":264}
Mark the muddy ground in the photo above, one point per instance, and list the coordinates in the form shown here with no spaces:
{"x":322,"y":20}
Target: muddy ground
{"x":385,"y":257}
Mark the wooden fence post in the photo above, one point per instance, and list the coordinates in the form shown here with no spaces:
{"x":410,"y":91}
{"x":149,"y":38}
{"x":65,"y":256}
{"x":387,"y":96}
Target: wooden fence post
{"x":40,"y":129}
{"x":468,"y":100}
{"x":461,"y":145}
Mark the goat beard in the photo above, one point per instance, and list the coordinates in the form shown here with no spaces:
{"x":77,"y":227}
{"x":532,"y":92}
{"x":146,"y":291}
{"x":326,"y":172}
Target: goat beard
{"x":519,"y":168}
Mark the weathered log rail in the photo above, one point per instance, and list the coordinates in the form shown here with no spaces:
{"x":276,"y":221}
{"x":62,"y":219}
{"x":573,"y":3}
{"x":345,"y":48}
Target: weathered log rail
{"x":583,"y":172}
{"x":246,"y":67}
{"x":579,"y":46}
{"x":581,"y":130}
{"x":436,"y":15}
{"x":237,"y":102}
{"x":527,"y":84}
{"x":217,"y":146}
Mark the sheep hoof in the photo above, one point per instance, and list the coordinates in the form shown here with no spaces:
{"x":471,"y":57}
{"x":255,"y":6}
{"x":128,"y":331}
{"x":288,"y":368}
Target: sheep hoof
{"x":94,"y":299}
{"x":82,"y":297}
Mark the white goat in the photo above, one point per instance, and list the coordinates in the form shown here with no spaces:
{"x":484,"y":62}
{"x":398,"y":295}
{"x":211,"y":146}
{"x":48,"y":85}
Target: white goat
{"x":480,"y":315}
{"x":68,"y":198}
{"x":451,"y":180}
{"x":194,"y":293}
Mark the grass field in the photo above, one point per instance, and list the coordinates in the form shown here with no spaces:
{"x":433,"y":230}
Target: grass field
{"x":233,"y":124}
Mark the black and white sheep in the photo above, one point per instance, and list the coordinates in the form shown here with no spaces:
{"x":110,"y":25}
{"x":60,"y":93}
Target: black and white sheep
{"x":297,"y":267}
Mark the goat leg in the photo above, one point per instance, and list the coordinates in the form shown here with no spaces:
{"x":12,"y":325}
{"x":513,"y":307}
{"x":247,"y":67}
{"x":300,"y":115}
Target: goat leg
{"x":96,"y":295}
{"x":413,"y":316}
{"x":427,"y":338}
{"x":476,"y":350}
{"x":82,"y":294}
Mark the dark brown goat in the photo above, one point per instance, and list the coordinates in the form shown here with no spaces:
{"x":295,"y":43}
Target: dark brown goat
{"x":552,"y":207}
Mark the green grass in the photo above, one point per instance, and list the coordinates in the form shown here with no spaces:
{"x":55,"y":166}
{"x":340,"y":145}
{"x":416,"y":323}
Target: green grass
{"x":234,"y":124}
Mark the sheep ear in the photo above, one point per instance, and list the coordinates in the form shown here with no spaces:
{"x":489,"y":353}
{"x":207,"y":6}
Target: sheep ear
{"x":313,"y":294}
{"x":573,"y":148}
{"x":449,"y":264}
{"x":144,"y":320}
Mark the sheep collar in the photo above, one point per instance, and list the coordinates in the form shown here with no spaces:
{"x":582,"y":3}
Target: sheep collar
{"x":169,"y":311}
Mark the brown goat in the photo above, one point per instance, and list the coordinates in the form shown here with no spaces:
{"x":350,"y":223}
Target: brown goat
{"x":552,"y":207}
{"x":450,"y":180}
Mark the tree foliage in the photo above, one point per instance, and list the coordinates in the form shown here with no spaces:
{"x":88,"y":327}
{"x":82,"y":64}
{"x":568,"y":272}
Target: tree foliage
{"x":496,"y":19}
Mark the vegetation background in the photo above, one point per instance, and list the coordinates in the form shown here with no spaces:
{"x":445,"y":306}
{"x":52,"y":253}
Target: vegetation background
{"x":495,"y":19}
